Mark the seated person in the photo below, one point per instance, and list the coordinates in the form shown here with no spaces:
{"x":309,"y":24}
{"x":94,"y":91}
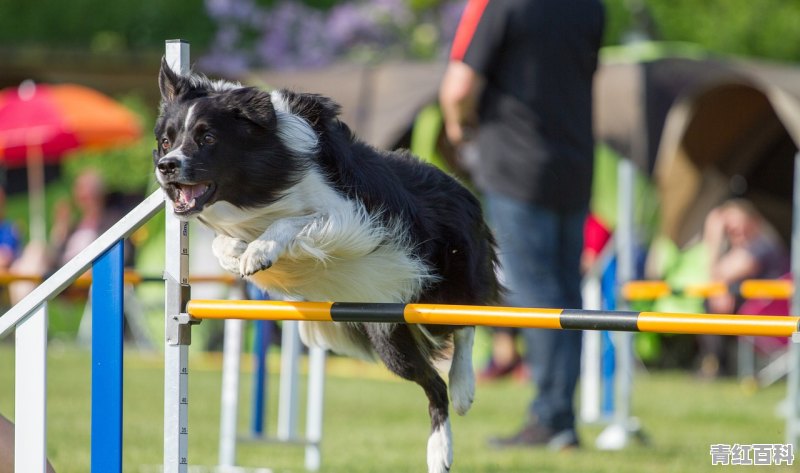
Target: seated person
{"x":741,"y":245}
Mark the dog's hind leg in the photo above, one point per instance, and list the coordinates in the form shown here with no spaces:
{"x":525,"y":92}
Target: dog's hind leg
{"x":396,"y":346}
{"x":462,"y":376}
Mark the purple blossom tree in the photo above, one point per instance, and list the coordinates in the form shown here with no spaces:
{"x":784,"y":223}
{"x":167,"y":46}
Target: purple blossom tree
{"x":293,"y":35}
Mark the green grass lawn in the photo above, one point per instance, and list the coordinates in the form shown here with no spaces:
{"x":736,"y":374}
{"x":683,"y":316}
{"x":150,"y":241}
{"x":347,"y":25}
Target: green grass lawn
{"x":376,"y":423}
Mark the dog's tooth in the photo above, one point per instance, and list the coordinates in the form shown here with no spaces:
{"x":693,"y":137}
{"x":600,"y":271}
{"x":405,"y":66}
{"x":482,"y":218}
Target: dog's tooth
{"x":191,"y":204}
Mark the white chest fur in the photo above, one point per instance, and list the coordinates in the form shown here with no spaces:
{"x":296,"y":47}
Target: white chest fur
{"x":329,"y":247}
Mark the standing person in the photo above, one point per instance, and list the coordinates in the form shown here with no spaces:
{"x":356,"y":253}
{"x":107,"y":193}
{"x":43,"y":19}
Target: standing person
{"x":520,"y":77}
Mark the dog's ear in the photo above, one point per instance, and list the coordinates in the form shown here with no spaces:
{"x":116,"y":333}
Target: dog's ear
{"x":314,"y":108}
{"x":253,"y":105}
{"x":170,"y":83}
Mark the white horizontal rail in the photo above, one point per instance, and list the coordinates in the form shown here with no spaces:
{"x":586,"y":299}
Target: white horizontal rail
{"x":81,"y":262}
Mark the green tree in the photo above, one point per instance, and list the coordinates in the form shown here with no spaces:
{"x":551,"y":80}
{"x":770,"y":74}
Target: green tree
{"x":766,"y":28}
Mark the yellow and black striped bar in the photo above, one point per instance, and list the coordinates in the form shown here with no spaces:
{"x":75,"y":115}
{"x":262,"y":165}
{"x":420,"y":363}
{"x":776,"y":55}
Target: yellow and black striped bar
{"x":659,"y":322}
{"x":748,"y":289}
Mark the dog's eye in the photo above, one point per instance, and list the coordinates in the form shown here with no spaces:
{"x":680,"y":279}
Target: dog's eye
{"x":165,"y":144}
{"x":209,"y":139}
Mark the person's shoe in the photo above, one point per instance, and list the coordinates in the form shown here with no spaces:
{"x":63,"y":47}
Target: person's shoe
{"x":709,"y":368}
{"x":494,"y":371}
{"x":564,"y":440}
{"x":537,"y":435}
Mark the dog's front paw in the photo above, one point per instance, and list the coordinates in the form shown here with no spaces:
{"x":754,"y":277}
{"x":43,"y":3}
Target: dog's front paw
{"x":260,"y":255}
{"x":228,"y":251}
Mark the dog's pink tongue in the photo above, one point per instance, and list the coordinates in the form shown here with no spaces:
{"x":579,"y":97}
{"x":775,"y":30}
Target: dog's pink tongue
{"x":187,"y":193}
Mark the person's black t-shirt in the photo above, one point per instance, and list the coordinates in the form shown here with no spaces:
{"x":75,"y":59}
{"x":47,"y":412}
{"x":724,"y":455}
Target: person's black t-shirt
{"x":535,"y":138}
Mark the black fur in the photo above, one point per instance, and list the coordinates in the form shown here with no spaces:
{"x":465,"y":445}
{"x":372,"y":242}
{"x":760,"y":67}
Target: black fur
{"x":445,"y":219}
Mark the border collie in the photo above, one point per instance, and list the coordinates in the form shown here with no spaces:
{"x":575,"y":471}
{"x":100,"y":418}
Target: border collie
{"x":301,"y":207}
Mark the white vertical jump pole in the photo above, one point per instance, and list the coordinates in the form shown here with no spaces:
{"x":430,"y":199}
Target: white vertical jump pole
{"x":793,"y":378}
{"x":616,"y":436}
{"x":231,"y":361}
{"x":288,"y":393}
{"x":30,"y":393}
{"x":316,"y":389}
{"x":626,"y":271}
{"x":591,"y":354}
{"x":177,"y":338}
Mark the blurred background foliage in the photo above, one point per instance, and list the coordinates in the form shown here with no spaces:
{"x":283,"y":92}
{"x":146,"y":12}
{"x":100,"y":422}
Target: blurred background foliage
{"x":101,"y":26}
{"x":229,"y":37}
{"x":766,"y":28}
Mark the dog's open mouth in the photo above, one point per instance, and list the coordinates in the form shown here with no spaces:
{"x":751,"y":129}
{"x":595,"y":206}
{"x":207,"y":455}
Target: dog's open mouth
{"x":190,"y":198}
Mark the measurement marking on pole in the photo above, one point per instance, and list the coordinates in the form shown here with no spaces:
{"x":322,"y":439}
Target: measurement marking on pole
{"x":183,"y":413}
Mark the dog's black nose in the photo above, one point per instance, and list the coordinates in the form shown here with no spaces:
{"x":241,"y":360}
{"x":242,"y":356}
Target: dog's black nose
{"x":168,"y":165}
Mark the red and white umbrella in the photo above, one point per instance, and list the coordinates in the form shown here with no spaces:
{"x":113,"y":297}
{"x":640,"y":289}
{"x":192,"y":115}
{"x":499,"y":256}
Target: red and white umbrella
{"x":42,"y":123}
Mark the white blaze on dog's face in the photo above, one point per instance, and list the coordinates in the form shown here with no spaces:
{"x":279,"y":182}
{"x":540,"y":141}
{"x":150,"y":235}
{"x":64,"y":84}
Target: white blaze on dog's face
{"x":221,"y":142}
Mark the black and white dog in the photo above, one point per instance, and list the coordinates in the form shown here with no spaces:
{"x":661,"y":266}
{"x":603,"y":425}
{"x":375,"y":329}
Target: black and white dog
{"x":303,"y":208}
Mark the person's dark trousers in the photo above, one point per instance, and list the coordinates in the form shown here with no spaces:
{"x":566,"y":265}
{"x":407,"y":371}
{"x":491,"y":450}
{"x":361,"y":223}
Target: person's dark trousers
{"x":540,"y":252}
{"x":555,"y":359}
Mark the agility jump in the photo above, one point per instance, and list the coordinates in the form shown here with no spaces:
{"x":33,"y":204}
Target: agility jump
{"x":28,"y":319}
{"x":558,"y":319}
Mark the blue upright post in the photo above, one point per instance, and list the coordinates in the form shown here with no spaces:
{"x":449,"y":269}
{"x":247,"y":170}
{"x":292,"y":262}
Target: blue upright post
{"x":263,"y":329}
{"x":263,"y":334}
{"x":107,"y":274}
